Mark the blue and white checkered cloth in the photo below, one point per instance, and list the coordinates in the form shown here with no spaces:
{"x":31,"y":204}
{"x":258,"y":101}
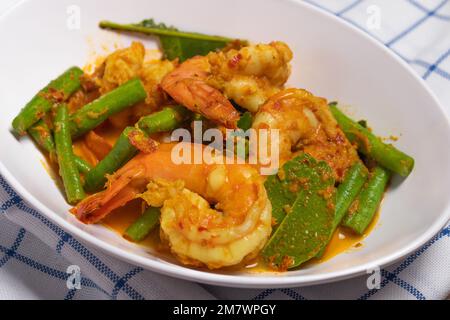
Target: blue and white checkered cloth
{"x":35,"y":253}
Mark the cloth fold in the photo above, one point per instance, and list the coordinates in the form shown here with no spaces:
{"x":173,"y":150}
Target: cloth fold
{"x":39,"y":260}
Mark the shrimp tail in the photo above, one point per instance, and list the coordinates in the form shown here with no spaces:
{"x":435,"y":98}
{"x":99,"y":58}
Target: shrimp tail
{"x":215,"y":104}
{"x":236,"y":227}
{"x":118,"y":193}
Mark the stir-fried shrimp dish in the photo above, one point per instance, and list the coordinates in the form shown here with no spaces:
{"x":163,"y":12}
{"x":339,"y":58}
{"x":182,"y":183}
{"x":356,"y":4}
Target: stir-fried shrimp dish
{"x":208,"y":156}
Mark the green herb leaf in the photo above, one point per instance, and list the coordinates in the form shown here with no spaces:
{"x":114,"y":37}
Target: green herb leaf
{"x":363,"y":123}
{"x":280,"y":190}
{"x":306,"y":227}
{"x":150,"y":23}
{"x":175,"y":43}
{"x":245,"y":122}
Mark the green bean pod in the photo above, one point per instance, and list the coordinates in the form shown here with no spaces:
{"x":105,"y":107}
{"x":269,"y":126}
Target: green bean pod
{"x":62,"y":87}
{"x":67,"y":168}
{"x":367,"y":202}
{"x":165,"y":120}
{"x":143,"y":225}
{"x":384,"y":154}
{"x":96,"y":112}
{"x":346,"y":192}
{"x":120,"y":154}
{"x":82,"y":165}
{"x":42,"y":135}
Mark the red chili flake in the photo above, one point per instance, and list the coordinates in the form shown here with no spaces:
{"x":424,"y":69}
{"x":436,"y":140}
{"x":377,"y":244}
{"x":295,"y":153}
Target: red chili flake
{"x":40,"y":114}
{"x":340,"y":139}
{"x":233,"y":62}
{"x":286,"y":263}
{"x":340,"y":172}
{"x":53,"y":95}
{"x":277,"y":105}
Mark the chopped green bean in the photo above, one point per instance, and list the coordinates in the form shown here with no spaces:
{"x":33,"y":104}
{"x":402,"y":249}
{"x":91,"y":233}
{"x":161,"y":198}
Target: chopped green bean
{"x":143,"y":225}
{"x":96,"y":112}
{"x":120,"y":154}
{"x":385,"y":154}
{"x":165,"y":120}
{"x":42,"y":135}
{"x":67,"y":168}
{"x":82,"y":165}
{"x":59,"y":89}
{"x":346,"y":192}
{"x":367,"y":202}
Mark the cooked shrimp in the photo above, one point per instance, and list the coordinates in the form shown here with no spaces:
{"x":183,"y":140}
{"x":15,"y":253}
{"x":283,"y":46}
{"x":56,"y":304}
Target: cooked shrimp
{"x":237,"y":227}
{"x":252,"y":74}
{"x":121,"y":66}
{"x":187,"y":85}
{"x":305,"y":124}
{"x":248,"y":76}
{"x":151,"y":74}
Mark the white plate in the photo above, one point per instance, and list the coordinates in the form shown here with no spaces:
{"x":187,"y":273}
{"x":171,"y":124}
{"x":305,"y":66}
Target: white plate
{"x":332,"y":59}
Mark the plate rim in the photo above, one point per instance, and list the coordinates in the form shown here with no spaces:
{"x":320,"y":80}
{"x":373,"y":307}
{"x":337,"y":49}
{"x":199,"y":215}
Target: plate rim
{"x":248,"y":281}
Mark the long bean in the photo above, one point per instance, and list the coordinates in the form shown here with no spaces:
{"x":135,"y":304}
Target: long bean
{"x":42,"y":135}
{"x":367,"y":202}
{"x":120,"y":154}
{"x":165,"y":120}
{"x":59,"y":89}
{"x":143,"y":225}
{"x":67,"y":168}
{"x":82,"y":165}
{"x":346,"y":192}
{"x":96,"y":112}
{"x":385,"y":154}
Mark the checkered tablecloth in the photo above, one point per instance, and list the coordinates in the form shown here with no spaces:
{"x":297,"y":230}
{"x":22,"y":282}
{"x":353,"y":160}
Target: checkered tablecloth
{"x":35,"y":253}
